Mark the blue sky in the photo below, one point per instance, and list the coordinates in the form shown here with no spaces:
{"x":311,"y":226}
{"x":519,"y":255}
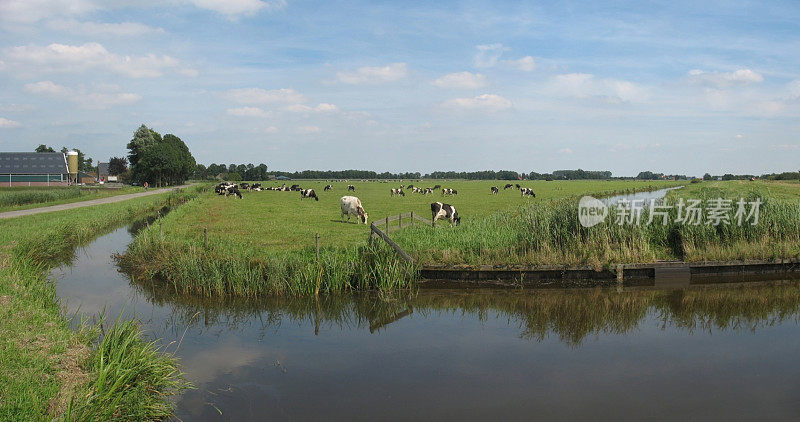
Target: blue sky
{"x":677,"y":87}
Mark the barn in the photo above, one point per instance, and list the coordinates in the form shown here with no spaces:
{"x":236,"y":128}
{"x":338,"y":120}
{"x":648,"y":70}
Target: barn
{"x":33,"y":169}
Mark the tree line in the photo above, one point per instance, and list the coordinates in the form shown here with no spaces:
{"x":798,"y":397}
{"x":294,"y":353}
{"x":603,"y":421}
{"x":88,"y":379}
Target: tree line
{"x":158,"y":160}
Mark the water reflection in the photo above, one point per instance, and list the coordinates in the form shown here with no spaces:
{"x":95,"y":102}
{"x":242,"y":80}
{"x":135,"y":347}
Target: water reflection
{"x":476,"y":354}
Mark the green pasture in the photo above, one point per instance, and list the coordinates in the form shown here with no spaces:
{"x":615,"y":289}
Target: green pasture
{"x":271,"y":220}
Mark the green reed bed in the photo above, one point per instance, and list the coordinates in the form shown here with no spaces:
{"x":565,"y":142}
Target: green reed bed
{"x":549,"y":233}
{"x":46,"y":363}
{"x":223,"y":268}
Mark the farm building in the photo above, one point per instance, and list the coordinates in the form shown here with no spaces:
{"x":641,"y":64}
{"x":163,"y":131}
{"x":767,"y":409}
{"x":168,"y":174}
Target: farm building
{"x":33,"y":169}
{"x":102,"y":172}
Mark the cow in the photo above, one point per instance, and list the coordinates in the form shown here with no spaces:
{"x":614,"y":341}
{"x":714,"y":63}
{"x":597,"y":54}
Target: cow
{"x":495,"y":190}
{"x":508,"y":186}
{"x":527,"y":192}
{"x":245,"y":185}
{"x":437,"y":187}
{"x":398,"y":192}
{"x":448,"y":191}
{"x":328,"y":187}
{"x":296,"y":188}
{"x":517,"y":185}
{"x":351,"y":188}
{"x":410,"y":186}
{"x":351,"y":205}
{"x":446,"y":211}
{"x":308,"y":193}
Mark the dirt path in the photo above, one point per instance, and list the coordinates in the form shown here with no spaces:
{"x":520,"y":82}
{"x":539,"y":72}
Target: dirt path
{"x":89,"y":203}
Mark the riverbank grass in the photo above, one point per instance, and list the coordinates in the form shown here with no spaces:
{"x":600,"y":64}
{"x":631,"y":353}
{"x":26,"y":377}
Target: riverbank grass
{"x":44,"y":363}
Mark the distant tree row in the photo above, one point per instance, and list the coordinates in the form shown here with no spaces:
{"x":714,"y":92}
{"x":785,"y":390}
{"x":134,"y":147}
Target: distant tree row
{"x":159,"y":160}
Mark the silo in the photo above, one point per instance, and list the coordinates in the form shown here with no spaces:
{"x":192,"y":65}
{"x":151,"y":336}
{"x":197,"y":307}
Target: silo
{"x":72,"y":165}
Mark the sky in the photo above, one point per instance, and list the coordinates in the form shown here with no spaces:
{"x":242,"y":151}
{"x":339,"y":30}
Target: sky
{"x":682,"y":87}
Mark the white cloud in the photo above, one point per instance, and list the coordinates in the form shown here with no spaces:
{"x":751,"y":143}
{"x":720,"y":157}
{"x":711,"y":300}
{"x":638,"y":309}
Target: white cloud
{"x":122,"y":29}
{"x":8,"y":123}
{"x":79,"y":58}
{"x":739,"y":136}
{"x":309,"y":129}
{"x":525,"y":64}
{"x":461,"y":80}
{"x":724,"y":79}
{"x":321,"y":107}
{"x":484,"y":102}
{"x":374,"y":75}
{"x":565,"y":151}
{"x":233,"y":8}
{"x":34,"y":10}
{"x":488,"y":54}
{"x":101,"y":96}
{"x":47,"y":88}
{"x":585,"y":85}
{"x":271,"y":129}
{"x":264,"y":96}
{"x":249,"y":112}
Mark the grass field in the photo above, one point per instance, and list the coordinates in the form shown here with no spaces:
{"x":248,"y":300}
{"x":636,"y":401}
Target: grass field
{"x":264,"y":243}
{"x":20,"y":198}
{"x":43,"y":362}
{"x":267,"y":221}
{"x":551,"y":234}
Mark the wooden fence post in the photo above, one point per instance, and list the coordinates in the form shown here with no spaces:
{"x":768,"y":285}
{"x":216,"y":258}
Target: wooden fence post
{"x":412,"y":218}
{"x":316,"y":243}
{"x":400,"y":220}
{"x":387,"y":224}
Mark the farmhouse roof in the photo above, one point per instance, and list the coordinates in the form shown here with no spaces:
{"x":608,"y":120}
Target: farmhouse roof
{"x":32,"y":163}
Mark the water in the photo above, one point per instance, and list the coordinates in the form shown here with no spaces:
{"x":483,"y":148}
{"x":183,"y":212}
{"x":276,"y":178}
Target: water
{"x":645,"y":197}
{"x":446,"y":354}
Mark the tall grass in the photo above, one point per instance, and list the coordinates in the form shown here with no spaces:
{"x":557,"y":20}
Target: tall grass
{"x":35,"y":196}
{"x":131,"y":379}
{"x":550,"y":233}
{"x":218,"y":270}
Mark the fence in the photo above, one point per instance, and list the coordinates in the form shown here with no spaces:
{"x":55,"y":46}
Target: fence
{"x":403,"y":220}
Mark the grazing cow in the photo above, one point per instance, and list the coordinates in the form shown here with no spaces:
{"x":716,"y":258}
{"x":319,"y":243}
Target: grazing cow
{"x":328,"y":187}
{"x":527,"y":192}
{"x":410,"y":186}
{"x":351,"y":188}
{"x":517,"y":185}
{"x":446,"y":211}
{"x":245,"y":185}
{"x":448,"y":191}
{"x":296,"y":188}
{"x":437,"y":187}
{"x":398,"y":192}
{"x":495,"y":190}
{"x":308,"y":193}
{"x":351,"y":205}
{"x":508,"y":186}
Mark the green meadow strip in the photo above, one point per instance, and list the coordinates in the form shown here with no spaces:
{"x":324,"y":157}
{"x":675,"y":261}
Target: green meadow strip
{"x":48,"y":368}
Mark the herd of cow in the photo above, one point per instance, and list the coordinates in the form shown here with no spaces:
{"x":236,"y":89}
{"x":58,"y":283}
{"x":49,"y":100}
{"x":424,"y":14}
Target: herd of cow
{"x":351,"y":205}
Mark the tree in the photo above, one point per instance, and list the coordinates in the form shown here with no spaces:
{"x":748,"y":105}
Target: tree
{"x":117,"y":165}
{"x":142,"y":138}
{"x":44,"y":148}
{"x":160,"y":161}
{"x":707,"y":177}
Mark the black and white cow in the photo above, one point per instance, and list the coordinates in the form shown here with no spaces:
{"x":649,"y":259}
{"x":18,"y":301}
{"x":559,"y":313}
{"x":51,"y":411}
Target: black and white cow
{"x":517,"y":185}
{"x":508,"y":186}
{"x":296,"y":188}
{"x":351,"y":188}
{"x":398,"y":192}
{"x":446,"y":211}
{"x":245,"y":185}
{"x":328,"y":187}
{"x":308,"y":193}
{"x":437,"y":187}
{"x":527,"y":192}
{"x":495,"y":190}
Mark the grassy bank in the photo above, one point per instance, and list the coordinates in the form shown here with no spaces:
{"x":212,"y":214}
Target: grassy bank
{"x":264,"y":243}
{"x":44,"y":363}
{"x":20,"y":198}
{"x":549,"y":233}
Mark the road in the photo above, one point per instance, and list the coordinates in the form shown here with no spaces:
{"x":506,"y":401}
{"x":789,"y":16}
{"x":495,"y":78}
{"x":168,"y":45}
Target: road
{"x":89,"y":203}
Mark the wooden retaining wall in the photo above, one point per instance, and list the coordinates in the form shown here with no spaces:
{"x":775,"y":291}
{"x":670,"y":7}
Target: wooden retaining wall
{"x":662,"y":274}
